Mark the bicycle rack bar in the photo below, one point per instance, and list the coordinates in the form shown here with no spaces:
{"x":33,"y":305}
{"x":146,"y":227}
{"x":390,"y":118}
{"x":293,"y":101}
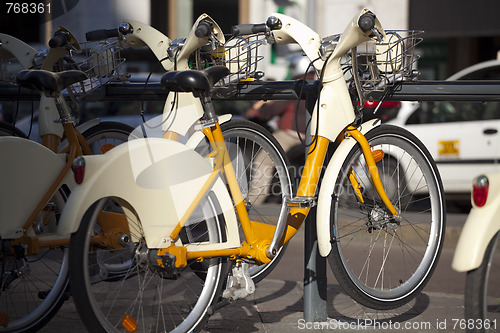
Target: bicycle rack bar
{"x":445,"y":91}
{"x":283,"y":90}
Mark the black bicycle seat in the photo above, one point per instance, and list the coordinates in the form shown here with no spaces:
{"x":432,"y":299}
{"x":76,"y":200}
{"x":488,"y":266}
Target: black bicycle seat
{"x":51,"y":83}
{"x":199,"y":82}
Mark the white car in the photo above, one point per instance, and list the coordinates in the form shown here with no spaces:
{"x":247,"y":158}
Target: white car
{"x":463,"y":137}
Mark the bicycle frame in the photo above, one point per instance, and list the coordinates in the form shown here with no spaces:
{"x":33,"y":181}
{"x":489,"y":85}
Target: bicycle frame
{"x":107,"y":173}
{"x":480,"y":227}
{"x":48,"y":169}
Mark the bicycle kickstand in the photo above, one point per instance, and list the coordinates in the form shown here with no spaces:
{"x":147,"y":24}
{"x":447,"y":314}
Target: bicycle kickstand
{"x":239,"y":283}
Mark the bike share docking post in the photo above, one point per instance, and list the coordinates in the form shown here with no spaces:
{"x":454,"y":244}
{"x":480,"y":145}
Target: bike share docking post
{"x":315,"y":282}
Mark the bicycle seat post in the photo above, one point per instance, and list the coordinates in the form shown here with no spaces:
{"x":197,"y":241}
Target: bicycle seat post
{"x":51,"y":84}
{"x":200,"y":83}
{"x":64,"y":111}
{"x":210,"y":115}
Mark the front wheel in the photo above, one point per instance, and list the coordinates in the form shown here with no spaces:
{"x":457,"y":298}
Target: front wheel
{"x":482,"y":302}
{"x":382,"y":262}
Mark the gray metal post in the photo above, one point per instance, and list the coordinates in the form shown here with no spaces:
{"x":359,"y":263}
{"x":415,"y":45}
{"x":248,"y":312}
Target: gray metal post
{"x":315,"y":281}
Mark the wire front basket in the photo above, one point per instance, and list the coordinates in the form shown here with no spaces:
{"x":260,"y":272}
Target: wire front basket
{"x":101,"y":62}
{"x":241,"y":57}
{"x":381,"y":65}
{"x":239,"y":54}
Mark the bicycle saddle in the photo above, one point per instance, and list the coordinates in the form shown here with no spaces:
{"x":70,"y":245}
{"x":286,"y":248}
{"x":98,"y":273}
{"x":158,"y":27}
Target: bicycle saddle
{"x":51,"y":83}
{"x":199,"y":82}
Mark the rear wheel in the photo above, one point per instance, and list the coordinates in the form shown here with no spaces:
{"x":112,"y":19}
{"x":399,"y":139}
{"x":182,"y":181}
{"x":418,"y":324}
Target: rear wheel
{"x":33,"y":287}
{"x":126,"y":287}
{"x":383,"y":262}
{"x":261,"y":167}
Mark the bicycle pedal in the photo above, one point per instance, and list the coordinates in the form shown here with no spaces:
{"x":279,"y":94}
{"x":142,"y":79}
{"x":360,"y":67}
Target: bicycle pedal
{"x":301,"y":202}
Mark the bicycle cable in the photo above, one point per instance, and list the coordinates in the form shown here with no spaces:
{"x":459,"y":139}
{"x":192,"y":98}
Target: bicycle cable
{"x":175,"y":102}
{"x":16,"y":114}
{"x":314,"y":140}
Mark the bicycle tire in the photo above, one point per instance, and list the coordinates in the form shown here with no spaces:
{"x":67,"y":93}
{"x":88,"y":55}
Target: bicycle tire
{"x":7,"y":129}
{"x":250,"y":145}
{"x":481,"y":308}
{"x":379,"y":262}
{"x":47,"y":294}
{"x":106,"y":133}
{"x":33,"y":289}
{"x":179,"y":303}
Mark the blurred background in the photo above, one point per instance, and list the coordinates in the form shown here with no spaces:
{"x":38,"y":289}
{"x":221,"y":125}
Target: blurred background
{"x":458,"y":33}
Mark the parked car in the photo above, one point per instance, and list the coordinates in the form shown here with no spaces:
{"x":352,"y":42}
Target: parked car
{"x":463,"y":137}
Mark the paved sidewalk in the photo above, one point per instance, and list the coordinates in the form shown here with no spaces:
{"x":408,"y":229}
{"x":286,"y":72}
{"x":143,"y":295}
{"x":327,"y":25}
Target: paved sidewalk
{"x":277,"y":306}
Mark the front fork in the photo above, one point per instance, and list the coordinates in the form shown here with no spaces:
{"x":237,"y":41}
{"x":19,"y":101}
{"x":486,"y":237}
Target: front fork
{"x":371,"y":158}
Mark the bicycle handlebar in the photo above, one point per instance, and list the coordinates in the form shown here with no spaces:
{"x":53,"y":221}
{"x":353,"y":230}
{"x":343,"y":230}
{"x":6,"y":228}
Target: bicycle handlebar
{"x":59,"y":39}
{"x":248,"y":29}
{"x":203,"y":29}
{"x":101,"y":34}
{"x":367,"y":21}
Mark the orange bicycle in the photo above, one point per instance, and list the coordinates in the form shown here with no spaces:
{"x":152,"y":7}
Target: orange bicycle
{"x":164,"y":267}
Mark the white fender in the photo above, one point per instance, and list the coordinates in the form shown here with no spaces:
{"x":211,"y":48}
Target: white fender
{"x":180,"y":112}
{"x":28,"y":169}
{"x":481,"y":225}
{"x":327,"y":185}
{"x":158,"y":178}
{"x":12,"y":47}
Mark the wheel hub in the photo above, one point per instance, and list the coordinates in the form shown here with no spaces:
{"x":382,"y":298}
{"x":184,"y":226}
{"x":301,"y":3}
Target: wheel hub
{"x":379,"y":218}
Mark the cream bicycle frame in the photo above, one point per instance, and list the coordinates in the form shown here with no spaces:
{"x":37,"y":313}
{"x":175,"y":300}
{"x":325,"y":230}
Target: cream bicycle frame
{"x":144,"y":34}
{"x":52,"y":132}
{"x":46,"y":180}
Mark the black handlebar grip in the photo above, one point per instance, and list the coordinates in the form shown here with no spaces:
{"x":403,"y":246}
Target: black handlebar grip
{"x":101,"y":34}
{"x":248,"y":29}
{"x":58,"y":40}
{"x":367,"y":21}
{"x":203,"y":29}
